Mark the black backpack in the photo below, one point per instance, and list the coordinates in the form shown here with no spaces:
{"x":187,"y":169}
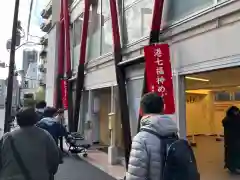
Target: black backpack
{"x":178,"y":160}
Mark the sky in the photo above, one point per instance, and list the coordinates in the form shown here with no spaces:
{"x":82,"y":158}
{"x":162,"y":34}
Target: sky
{"x":6,"y":14}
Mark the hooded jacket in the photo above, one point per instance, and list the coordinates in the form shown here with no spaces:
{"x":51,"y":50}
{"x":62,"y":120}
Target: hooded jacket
{"x":37,"y":150}
{"x":53,"y":127}
{"x":145,"y":156}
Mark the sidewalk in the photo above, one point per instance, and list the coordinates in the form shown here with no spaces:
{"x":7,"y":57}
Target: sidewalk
{"x":74,"y":168}
{"x":100,"y":160}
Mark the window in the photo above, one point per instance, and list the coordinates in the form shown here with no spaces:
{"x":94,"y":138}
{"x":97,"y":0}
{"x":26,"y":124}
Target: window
{"x":99,"y":40}
{"x":237,"y":96}
{"x":138,"y":19}
{"x":94,"y":32}
{"x":179,"y":9}
{"x":107,"y":41}
{"x":77,"y":29}
{"x":222,"y":96}
{"x":128,"y":2}
{"x":138,"y":16}
{"x":106,"y":34}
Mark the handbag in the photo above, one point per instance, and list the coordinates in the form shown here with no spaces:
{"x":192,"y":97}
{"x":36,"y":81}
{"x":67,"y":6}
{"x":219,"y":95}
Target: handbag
{"x":19,"y":160}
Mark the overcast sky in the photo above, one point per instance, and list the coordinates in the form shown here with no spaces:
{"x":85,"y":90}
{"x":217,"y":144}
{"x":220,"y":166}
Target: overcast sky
{"x":6,"y":14}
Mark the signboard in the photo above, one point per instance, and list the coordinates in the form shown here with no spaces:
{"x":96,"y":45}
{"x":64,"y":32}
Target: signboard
{"x":159,"y":74}
{"x":64,"y":93}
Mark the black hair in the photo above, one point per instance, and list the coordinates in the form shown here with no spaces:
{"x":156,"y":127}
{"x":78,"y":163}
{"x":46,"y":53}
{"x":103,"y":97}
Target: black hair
{"x":26,"y":117}
{"x":152,"y":103}
{"x":49,"y":112}
{"x":41,"y":105}
{"x":232,"y":111}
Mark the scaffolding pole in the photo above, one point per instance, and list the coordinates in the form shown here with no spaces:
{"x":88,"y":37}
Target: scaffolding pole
{"x":80,"y":72}
{"x":60,"y":75}
{"x":66,"y":17}
{"x":154,"y":38}
{"x":120,"y":76}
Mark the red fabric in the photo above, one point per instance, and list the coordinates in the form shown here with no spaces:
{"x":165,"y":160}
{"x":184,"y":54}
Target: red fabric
{"x":64,"y":93}
{"x":159,"y":74}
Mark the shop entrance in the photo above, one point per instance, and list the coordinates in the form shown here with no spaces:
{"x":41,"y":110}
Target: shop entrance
{"x":208,"y":96}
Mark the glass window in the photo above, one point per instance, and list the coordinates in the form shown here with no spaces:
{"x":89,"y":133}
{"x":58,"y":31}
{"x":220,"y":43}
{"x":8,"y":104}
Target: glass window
{"x":134,"y":88}
{"x":222,"y":96}
{"x":107,"y":41}
{"x":128,"y":2}
{"x":179,"y":9}
{"x":94,"y":32}
{"x":139,"y":19}
{"x":77,"y":29}
{"x":237,"y":96}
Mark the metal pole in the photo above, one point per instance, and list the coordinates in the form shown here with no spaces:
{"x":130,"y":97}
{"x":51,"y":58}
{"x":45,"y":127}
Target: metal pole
{"x":68,"y":58}
{"x":8,"y":107}
{"x":120,"y":76}
{"x":154,"y":38}
{"x":80,"y":73}
{"x":29,"y":18}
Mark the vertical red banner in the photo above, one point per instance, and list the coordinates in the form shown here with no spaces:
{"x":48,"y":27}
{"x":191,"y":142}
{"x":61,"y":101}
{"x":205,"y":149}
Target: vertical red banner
{"x":64,"y":93}
{"x":159,"y":74}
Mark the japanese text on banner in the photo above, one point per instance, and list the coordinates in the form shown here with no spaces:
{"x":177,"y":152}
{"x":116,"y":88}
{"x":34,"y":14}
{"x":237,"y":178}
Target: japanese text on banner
{"x":159,"y":74}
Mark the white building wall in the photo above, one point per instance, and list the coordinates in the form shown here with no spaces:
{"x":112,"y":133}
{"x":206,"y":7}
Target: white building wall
{"x":32,"y":75}
{"x":52,"y":59}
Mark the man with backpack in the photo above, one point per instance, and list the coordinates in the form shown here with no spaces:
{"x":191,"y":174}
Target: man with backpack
{"x":52,"y":126}
{"x":157,"y":153}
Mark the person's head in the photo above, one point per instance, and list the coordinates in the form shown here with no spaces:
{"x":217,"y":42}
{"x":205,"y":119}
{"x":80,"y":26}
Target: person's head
{"x":152,"y":103}
{"x":26,"y":117}
{"x":50,"y":112}
{"x":233,"y":111}
{"x":41,"y":105}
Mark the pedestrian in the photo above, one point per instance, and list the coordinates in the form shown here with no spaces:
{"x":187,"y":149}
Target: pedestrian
{"x":153,"y":148}
{"x":60,"y":119}
{"x":28,"y":152}
{"x":231,"y":124}
{"x":40,"y":107}
{"x":50,"y":124}
{"x":60,"y":116}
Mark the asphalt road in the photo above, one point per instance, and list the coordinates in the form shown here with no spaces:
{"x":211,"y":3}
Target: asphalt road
{"x":74,"y":168}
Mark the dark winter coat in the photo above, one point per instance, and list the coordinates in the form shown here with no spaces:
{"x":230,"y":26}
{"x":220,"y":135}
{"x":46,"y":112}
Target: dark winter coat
{"x":231,"y":124}
{"x":37,"y":150}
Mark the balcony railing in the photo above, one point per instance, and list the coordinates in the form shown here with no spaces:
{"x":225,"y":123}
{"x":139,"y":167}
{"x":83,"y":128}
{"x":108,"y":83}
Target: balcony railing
{"x":46,"y":26}
{"x":43,"y":54}
{"x":44,"y":41}
{"x":47,"y":11}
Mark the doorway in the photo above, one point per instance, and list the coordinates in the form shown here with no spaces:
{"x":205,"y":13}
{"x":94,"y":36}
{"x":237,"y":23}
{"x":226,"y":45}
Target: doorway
{"x":208,"y":96}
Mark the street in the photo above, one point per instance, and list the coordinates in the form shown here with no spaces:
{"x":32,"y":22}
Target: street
{"x":74,"y":168}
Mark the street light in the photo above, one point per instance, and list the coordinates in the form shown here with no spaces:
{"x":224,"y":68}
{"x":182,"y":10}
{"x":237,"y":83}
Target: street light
{"x":16,"y":35}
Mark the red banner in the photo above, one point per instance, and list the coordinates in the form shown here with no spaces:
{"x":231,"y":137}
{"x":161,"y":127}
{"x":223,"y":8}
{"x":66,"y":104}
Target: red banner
{"x":159,"y":74}
{"x":64,"y":93}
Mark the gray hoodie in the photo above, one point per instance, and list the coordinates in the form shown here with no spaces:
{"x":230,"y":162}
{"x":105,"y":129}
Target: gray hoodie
{"x":145,"y":156}
{"x":37,"y":149}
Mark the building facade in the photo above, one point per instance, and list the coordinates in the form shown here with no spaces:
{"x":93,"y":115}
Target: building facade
{"x":203,"y":36}
{"x":29,"y":72}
